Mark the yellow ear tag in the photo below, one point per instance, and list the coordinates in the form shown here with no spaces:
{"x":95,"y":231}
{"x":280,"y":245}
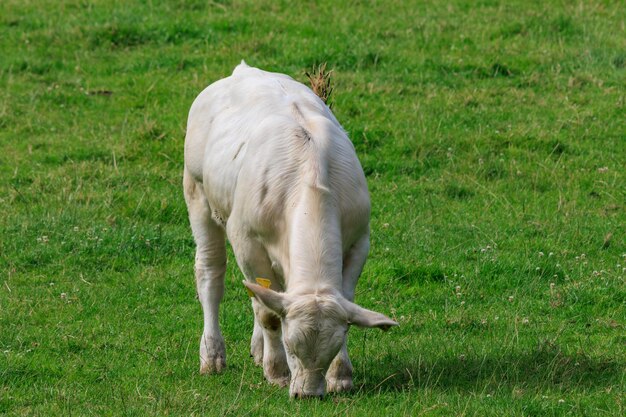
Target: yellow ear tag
{"x":263,"y":282}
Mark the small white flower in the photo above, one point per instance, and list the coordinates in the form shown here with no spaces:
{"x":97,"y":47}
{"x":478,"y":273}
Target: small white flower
{"x":540,"y":254}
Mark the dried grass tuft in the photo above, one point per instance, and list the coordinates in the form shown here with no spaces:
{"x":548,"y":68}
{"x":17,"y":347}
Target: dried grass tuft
{"x":320,"y":80}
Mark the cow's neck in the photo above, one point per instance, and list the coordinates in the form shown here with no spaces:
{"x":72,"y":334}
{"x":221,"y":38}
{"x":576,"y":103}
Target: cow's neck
{"x":315,"y":243}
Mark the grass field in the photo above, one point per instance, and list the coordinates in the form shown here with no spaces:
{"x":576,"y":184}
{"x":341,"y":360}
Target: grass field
{"x":493,"y":136}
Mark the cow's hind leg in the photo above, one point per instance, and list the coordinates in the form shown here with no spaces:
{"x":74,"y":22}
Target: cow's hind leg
{"x":266,"y":345}
{"x":339,"y":374}
{"x":210,"y":266}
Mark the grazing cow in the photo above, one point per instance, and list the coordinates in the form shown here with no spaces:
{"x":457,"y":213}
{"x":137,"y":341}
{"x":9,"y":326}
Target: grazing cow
{"x":268,"y":165}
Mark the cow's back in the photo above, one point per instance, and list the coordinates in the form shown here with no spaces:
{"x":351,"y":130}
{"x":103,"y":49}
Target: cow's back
{"x":255,"y":139}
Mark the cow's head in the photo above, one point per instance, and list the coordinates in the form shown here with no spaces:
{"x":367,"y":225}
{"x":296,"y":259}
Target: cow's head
{"x":314,"y":328}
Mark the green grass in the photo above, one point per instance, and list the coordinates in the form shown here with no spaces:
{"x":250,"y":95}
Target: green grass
{"x":494,"y":140}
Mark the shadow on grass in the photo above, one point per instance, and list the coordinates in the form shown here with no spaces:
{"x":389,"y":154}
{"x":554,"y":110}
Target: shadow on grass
{"x":535,"y":369}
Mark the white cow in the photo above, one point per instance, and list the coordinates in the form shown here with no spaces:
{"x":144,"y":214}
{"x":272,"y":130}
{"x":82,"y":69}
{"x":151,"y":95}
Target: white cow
{"x":267,"y":163}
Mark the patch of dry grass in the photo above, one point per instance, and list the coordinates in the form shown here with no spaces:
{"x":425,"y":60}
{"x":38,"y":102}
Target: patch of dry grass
{"x":321,"y":83}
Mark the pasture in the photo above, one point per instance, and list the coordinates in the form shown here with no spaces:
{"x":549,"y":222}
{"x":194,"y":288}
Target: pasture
{"x":493,"y":137}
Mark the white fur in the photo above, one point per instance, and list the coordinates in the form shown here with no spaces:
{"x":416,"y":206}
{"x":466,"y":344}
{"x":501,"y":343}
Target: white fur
{"x":267,"y":162}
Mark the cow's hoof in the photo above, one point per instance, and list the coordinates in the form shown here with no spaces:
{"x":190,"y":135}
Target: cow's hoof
{"x":212,"y":366}
{"x":282,"y":381}
{"x":256,"y":352}
{"x":257,"y":357}
{"x":339,"y":384}
{"x":212,"y":356}
{"x":278,"y":374}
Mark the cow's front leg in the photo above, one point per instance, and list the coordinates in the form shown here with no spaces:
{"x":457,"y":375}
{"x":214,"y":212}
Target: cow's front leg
{"x":256,"y":343}
{"x":339,"y":374}
{"x":266,"y":346}
{"x":275,"y":367}
{"x":210,"y":267}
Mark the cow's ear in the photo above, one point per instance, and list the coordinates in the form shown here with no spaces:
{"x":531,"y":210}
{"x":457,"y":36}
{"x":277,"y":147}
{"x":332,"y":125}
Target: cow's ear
{"x":275,"y":301}
{"x":363,"y":317}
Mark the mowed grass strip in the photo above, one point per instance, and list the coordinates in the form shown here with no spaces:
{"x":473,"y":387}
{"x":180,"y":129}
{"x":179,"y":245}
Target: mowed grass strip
{"x":494,"y":141}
